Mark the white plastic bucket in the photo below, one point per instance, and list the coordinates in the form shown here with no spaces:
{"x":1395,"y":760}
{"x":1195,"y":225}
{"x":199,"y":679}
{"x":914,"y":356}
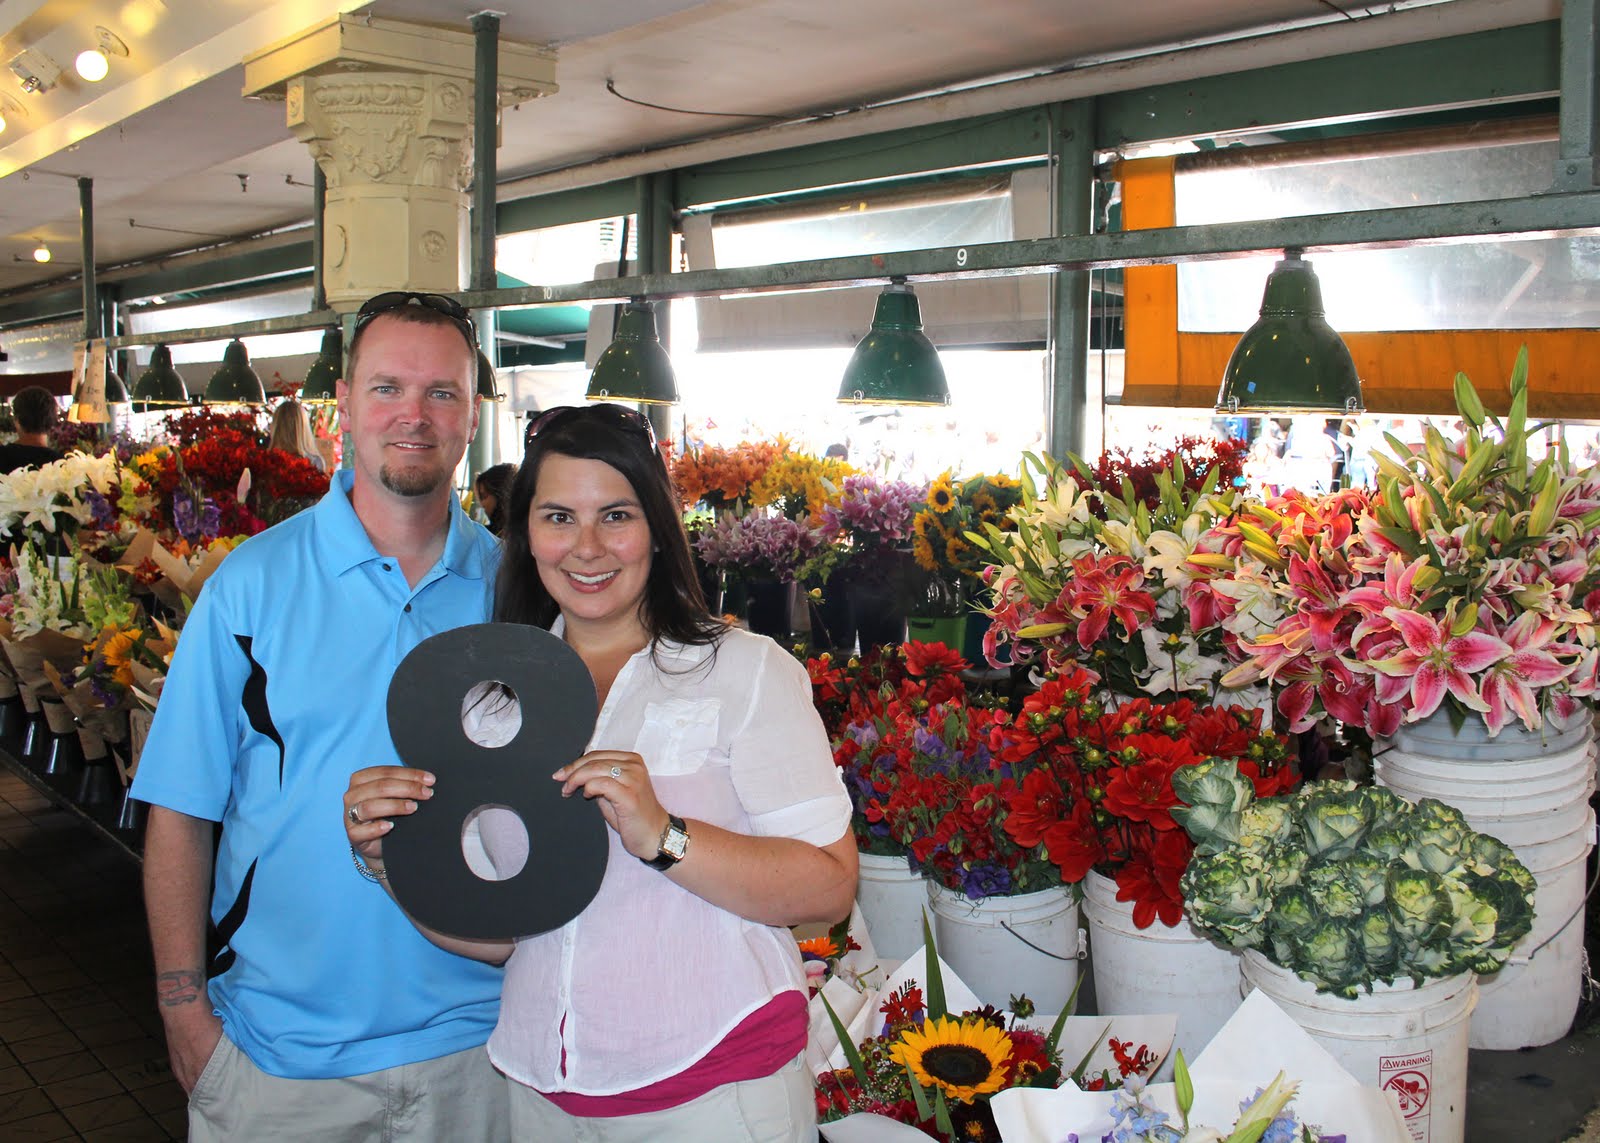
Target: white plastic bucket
{"x":1436,"y":736}
{"x":1158,"y":969}
{"x":891,"y":897}
{"x":1532,"y":1001}
{"x":1400,"y":1038}
{"x":1531,"y":790}
{"x":1026,"y":945}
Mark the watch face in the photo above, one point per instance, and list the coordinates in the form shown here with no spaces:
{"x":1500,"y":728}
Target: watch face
{"x":676,"y":843}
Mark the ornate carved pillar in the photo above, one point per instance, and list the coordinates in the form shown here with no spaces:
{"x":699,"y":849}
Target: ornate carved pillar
{"x":396,"y":150}
{"x":386,"y":109}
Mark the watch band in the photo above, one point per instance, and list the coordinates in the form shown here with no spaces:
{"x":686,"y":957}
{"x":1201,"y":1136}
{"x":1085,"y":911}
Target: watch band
{"x":674,"y":844}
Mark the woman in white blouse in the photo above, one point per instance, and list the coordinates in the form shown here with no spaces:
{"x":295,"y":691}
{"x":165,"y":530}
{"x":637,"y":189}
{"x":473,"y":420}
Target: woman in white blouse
{"x":673,"y":1007}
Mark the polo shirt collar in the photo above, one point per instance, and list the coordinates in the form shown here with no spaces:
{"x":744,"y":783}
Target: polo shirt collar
{"x":344,"y":543}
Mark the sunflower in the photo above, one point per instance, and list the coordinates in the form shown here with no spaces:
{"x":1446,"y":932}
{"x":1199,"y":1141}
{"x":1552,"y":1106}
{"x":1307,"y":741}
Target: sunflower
{"x":983,"y":503}
{"x":941,"y":496}
{"x":963,"y":1058}
{"x":922,"y":552}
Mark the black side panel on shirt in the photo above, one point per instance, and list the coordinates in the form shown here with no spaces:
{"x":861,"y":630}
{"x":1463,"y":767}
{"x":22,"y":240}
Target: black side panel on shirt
{"x":254,"y":701}
{"x":222,"y":960}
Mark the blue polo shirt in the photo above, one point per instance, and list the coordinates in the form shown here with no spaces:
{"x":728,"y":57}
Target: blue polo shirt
{"x":276,"y":695}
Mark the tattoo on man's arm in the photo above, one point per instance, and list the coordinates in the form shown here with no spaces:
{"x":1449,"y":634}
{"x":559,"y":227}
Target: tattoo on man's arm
{"x":182,"y":987}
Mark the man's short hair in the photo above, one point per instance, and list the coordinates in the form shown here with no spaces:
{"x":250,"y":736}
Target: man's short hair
{"x":417,"y":315}
{"x":35,"y":409}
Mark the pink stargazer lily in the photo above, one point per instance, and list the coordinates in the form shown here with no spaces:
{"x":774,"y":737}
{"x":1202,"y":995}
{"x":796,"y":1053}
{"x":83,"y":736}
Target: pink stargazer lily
{"x":1509,"y":687}
{"x":1439,"y":662}
{"x":1101,"y":589}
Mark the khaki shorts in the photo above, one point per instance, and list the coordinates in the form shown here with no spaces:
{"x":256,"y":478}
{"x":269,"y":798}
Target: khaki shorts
{"x":779,"y":1108}
{"x":456,"y":1097}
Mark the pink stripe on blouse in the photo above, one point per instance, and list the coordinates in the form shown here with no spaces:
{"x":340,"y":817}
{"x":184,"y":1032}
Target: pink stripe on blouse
{"x":759,"y":1045}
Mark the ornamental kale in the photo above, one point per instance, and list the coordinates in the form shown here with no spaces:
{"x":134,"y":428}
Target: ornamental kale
{"x":1347,"y":886}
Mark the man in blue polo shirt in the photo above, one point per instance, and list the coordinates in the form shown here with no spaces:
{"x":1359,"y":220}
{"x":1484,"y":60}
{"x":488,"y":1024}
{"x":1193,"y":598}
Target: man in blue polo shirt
{"x":323,"y":1014}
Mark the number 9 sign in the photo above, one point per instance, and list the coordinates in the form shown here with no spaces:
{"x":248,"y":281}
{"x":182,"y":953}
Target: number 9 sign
{"x":567,"y":841}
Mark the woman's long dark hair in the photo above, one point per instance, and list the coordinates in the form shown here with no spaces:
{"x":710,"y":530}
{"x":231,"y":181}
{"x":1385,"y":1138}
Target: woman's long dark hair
{"x":674,"y":607}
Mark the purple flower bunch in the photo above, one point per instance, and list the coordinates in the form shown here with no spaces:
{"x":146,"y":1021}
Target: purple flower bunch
{"x":195,"y":518}
{"x":757,"y":546}
{"x":875,"y":513}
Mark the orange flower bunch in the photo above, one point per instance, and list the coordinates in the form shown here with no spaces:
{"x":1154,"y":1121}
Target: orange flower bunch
{"x":719,"y":476}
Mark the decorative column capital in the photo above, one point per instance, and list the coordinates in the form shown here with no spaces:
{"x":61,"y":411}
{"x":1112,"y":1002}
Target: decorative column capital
{"x":386,"y":109}
{"x":395,"y":128}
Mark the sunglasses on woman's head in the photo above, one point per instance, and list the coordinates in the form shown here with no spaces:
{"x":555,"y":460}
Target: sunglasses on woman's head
{"x":618,"y":416}
{"x":380,"y":304}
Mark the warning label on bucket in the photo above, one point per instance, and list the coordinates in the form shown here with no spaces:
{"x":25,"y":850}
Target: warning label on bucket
{"x":1410,"y":1078}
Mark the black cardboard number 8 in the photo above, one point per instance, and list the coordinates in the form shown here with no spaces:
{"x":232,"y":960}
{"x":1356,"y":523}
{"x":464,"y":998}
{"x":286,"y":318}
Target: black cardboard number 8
{"x":566,"y":836}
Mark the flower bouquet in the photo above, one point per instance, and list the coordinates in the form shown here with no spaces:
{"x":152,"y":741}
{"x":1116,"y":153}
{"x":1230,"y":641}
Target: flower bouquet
{"x":921,"y":1050}
{"x":872,"y":521}
{"x":797,"y":484}
{"x":721,"y":478}
{"x":871,"y":707}
{"x":1469,"y":581}
{"x":1347,"y":886}
{"x":56,"y":499}
{"x":953,"y":508}
{"x":1123,"y":763}
{"x":1097,"y":578}
{"x":1223,"y":1086}
{"x":762,"y":547}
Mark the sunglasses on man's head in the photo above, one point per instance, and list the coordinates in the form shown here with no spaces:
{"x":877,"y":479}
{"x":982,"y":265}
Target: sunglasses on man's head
{"x":618,"y":416}
{"x":388,"y":303}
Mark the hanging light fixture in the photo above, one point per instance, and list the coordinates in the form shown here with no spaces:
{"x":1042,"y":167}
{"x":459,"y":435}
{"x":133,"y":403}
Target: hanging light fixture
{"x":895,"y":364}
{"x":488,"y":387}
{"x":325,"y":370}
{"x":234,"y":382}
{"x":1291,"y":360}
{"x":635,"y":366}
{"x":116,"y":391}
{"x":160,"y":383}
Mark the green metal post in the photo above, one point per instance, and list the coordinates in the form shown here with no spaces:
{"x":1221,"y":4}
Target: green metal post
{"x":1578,"y":165}
{"x":482,"y":453}
{"x":1072,"y":176}
{"x":654,"y":212}
{"x":91,"y":301}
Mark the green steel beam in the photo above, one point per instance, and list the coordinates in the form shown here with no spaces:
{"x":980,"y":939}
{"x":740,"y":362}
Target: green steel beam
{"x":891,"y":154}
{"x":1504,"y":65}
{"x":289,"y":323}
{"x":58,"y":305}
{"x":1072,"y":184}
{"x":1541,"y":216}
{"x":236,"y":268}
{"x":609,"y":200}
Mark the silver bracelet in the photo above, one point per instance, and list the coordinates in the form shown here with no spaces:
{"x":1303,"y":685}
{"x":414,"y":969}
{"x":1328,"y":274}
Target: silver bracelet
{"x":365,"y":870}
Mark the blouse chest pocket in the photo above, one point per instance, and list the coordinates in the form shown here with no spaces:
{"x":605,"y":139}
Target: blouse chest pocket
{"x":679,"y":735}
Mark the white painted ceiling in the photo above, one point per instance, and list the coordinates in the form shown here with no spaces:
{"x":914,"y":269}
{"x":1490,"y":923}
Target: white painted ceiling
{"x":166,"y":136}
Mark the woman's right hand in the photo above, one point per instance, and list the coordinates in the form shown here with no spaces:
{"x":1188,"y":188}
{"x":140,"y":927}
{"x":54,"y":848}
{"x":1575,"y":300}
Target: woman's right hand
{"x":375,"y":796}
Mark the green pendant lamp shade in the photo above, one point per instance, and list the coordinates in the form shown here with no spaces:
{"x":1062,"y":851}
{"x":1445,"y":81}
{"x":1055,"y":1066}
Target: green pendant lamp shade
{"x":116,"y":391}
{"x":895,"y":364}
{"x":635,"y":366}
{"x":235,"y":383}
{"x":326,"y":370}
{"x":488,"y":388}
{"x":1291,"y":360}
{"x":160,"y":384}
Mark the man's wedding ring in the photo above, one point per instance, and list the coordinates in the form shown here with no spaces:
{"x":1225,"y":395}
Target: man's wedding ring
{"x":355,"y":815}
